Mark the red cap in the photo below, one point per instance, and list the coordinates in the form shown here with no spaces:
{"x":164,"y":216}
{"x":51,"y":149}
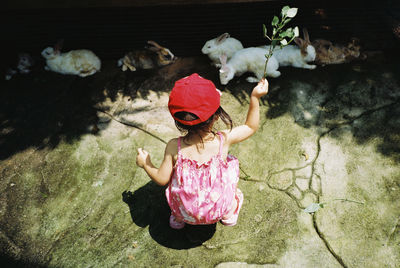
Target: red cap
{"x":196,"y":95}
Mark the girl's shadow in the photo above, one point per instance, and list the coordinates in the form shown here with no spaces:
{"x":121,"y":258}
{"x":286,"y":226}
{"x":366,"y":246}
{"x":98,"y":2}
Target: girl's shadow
{"x":148,"y":206}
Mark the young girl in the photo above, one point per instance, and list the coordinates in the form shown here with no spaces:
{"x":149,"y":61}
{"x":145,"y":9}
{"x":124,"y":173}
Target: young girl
{"x":202,"y":178}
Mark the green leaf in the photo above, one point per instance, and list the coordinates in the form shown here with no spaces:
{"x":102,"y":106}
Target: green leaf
{"x":264,"y":30}
{"x":287,"y":20}
{"x":290,"y":32}
{"x":285,"y":10}
{"x":285,"y":33}
{"x":274,"y":43}
{"x":292,"y":12}
{"x":296,"y":31}
{"x":275,"y":21}
{"x":312,"y":208}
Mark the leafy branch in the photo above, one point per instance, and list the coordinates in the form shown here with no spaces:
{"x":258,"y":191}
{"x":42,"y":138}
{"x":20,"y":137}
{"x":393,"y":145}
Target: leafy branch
{"x":313,"y":207}
{"x":279,"y":35}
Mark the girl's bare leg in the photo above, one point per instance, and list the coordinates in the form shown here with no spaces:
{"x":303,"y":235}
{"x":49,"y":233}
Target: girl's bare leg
{"x":232,"y":210}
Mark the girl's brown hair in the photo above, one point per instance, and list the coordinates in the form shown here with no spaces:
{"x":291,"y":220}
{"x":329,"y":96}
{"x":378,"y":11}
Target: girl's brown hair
{"x":204,"y":126}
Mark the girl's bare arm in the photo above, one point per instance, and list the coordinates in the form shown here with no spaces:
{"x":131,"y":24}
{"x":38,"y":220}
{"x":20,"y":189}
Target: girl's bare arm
{"x":242,"y":132}
{"x":163,"y":174}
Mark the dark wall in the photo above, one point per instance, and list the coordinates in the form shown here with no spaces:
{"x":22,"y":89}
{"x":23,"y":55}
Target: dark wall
{"x":110,"y":32}
{"x":42,"y":4}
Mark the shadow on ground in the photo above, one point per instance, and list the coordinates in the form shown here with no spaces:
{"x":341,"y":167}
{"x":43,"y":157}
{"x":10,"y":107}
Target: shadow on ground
{"x":364,"y":94}
{"x":7,"y":261}
{"x":148,"y":207}
{"x":42,"y":108}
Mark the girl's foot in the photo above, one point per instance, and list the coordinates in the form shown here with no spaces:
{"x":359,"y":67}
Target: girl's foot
{"x":175,"y":224}
{"x":233,"y":219}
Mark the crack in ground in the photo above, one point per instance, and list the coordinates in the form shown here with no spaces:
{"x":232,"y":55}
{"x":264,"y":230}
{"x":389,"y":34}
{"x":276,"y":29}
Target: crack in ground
{"x":312,"y":164}
{"x":317,"y":194}
{"x":326,"y":243}
{"x":130,"y":125}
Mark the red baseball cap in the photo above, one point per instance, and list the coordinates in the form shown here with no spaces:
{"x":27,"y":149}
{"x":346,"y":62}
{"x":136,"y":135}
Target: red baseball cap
{"x":196,"y":95}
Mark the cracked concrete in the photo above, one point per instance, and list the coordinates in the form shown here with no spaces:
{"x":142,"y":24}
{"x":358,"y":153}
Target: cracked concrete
{"x":331,"y":136}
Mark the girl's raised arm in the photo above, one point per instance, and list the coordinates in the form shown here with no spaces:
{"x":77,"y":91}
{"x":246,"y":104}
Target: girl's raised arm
{"x":163,"y":174}
{"x":242,"y":132}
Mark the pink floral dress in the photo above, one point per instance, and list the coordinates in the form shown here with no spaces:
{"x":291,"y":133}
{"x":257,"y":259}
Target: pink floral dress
{"x":202,"y":194}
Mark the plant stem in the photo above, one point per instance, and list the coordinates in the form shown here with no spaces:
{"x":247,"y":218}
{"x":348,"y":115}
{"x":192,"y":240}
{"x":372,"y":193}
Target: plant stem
{"x":266,"y":61}
{"x":348,"y":200}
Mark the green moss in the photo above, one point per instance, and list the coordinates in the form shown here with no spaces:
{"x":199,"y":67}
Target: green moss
{"x":86,"y":203}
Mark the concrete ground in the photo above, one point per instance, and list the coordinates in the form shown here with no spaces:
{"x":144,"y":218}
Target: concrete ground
{"x":72,"y":196}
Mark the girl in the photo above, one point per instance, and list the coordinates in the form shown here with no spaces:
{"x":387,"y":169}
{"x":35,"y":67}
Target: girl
{"x":202,"y":178}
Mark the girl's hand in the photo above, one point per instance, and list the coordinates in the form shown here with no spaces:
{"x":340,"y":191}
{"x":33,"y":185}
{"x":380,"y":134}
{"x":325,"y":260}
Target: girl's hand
{"x":142,"y":157}
{"x":261,"y":89}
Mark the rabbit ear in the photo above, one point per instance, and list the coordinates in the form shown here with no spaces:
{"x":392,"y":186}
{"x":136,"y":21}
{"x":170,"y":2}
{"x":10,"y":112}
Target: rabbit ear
{"x":222,"y":38}
{"x":154,"y":44}
{"x":300,"y":42}
{"x":223,"y":59}
{"x":58,"y":46}
{"x":154,"y":49}
{"x":223,"y":69}
{"x":306,"y":36}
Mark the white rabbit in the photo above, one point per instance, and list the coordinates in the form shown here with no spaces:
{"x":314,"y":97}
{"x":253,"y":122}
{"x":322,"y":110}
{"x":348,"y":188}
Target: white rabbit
{"x":80,"y":62}
{"x":223,"y":44}
{"x":250,"y":59}
{"x":296,"y":56}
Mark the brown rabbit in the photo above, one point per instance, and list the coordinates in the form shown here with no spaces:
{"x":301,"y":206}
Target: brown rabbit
{"x":329,"y":53}
{"x":151,"y":57}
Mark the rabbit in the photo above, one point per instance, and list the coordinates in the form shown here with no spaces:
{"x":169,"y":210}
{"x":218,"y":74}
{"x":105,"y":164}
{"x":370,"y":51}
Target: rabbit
{"x":250,"y":59}
{"x":24,"y":63}
{"x":296,"y":56}
{"x":223,"y":44}
{"x":80,"y":62}
{"x":328,"y":53}
{"x":149,"y":58}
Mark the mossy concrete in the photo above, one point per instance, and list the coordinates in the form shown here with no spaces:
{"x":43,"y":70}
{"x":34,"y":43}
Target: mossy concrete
{"x":327,"y":136}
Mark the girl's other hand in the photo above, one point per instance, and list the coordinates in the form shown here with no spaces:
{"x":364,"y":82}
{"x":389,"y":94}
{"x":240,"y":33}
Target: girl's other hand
{"x":261,"y":89}
{"x":142,"y":157}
